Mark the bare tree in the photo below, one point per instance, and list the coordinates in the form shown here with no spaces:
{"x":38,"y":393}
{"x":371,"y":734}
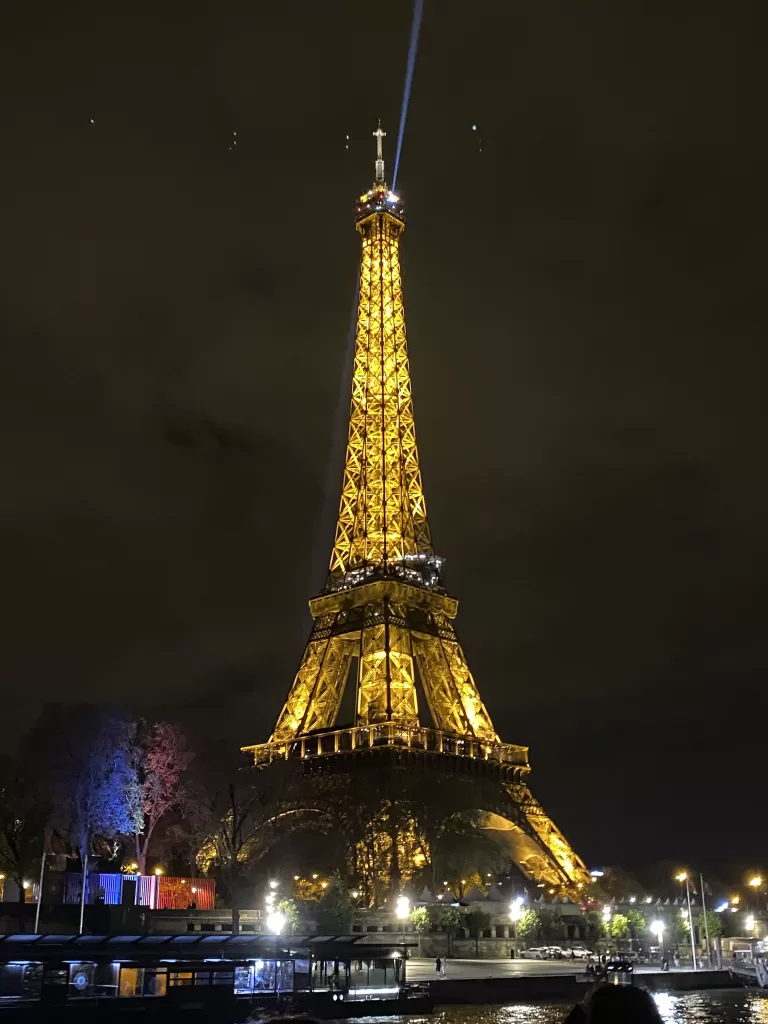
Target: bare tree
{"x":243,"y":813}
{"x":22,"y":820}
{"x":160,"y":757}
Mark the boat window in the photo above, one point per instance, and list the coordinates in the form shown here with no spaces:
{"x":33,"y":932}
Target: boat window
{"x":176,"y":978}
{"x":155,"y":981}
{"x":131,"y":982}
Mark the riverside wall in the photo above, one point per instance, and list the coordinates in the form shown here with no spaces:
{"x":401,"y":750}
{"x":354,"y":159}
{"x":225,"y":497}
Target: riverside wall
{"x":566,"y":988}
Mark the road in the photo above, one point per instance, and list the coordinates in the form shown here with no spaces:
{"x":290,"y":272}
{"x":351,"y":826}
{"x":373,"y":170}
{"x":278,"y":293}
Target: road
{"x":423,"y":969}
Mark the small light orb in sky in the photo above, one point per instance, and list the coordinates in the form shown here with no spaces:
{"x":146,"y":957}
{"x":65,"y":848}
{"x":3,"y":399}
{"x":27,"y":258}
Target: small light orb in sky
{"x":474,"y":127}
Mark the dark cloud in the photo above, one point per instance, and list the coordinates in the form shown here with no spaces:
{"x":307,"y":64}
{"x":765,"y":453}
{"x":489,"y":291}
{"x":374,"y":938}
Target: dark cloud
{"x":585,"y":302}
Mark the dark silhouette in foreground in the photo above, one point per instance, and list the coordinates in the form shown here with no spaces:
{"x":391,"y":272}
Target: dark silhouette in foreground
{"x":615,"y":1004}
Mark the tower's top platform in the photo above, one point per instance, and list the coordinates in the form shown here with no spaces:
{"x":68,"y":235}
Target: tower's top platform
{"x":379,"y":198}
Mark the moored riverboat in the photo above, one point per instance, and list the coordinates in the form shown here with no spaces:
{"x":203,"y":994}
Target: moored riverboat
{"x":221,"y":978}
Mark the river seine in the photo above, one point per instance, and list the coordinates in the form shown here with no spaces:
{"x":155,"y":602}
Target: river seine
{"x":725,"y":1007}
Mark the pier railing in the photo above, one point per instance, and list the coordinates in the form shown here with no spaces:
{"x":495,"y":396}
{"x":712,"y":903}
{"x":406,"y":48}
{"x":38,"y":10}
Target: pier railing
{"x":388,"y":734}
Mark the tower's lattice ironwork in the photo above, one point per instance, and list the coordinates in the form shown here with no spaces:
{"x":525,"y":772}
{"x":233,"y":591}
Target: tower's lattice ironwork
{"x":384,"y":622}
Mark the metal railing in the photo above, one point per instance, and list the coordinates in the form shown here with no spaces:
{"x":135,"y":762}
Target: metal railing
{"x":388,"y":734}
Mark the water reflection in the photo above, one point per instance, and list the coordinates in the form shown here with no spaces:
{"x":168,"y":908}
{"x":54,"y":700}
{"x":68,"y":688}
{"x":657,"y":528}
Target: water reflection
{"x":737,"y":1007}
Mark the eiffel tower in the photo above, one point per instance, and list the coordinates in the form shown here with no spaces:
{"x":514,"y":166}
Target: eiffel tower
{"x":384,"y":623}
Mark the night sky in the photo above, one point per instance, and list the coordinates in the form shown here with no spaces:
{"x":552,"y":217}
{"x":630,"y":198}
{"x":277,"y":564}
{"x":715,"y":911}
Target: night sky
{"x":585,"y":297}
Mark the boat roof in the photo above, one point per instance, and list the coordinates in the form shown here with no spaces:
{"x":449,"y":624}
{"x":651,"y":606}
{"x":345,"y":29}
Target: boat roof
{"x":194,"y":945}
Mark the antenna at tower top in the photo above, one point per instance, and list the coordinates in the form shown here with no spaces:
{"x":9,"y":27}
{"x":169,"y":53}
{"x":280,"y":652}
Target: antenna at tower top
{"x":379,"y":135}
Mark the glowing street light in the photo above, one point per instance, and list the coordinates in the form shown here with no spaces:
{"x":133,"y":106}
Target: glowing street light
{"x":275,"y":922}
{"x":750,"y":922}
{"x":515,"y":913}
{"x":402,"y":910}
{"x":657,"y":927}
{"x":158,"y":871}
{"x":755,"y":884}
{"x":683,"y":877}
{"x":273,"y":883}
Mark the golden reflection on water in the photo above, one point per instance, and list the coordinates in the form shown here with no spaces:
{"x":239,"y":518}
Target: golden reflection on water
{"x":723,"y":1007}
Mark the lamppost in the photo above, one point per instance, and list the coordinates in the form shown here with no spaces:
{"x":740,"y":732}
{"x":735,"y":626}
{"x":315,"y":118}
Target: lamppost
{"x":275,"y":924}
{"x":683,"y":877}
{"x":657,"y":927}
{"x":402,"y":910}
{"x":515,"y":913}
{"x":755,"y":883}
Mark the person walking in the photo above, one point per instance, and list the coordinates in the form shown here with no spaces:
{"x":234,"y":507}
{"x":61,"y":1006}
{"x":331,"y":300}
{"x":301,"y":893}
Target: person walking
{"x":437,"y":965}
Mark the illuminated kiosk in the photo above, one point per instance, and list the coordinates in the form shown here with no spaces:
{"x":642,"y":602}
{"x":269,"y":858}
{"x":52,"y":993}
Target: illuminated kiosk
{"x":384,"y":621}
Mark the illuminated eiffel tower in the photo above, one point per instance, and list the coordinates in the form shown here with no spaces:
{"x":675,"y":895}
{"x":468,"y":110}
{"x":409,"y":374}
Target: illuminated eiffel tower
{"x":384,"y":623}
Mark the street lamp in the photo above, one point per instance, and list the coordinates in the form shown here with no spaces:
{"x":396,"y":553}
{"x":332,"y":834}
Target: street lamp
{"x":401,"y":910}
{"x":657,"y":927}
{"x":275,"y":922}
{"x":755,"y":884}
{"x":683,"y":877}
{"x":515,"y":913}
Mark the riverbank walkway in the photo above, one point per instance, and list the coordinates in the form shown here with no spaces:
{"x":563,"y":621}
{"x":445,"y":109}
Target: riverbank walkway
{"x":421,"y":969}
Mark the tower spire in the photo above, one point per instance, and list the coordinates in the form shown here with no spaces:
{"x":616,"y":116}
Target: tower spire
{"x":379,"y":135}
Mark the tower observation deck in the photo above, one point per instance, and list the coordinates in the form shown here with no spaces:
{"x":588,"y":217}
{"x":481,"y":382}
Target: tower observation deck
{"x":384,"y":622}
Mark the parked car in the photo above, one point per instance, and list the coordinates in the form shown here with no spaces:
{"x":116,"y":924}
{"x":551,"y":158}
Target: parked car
{"x":580,"y":952}
{"x":557,"y":953}
{"x":534,"y":953}
{"x":630,"y":956}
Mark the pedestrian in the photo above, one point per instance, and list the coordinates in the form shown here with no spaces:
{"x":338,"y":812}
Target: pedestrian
{"x":676,"y":959}
{"x":437,"y":965}
{"x":442,"y":967}
{"x":573,"y":955}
